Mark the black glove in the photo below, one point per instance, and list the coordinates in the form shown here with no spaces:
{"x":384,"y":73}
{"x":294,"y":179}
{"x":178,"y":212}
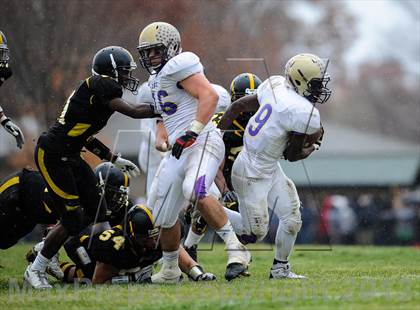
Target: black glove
{"x":183,"y":142}
{"x":230,"y":196}
{"x":15,"y":131}
{"x":230,"y":200}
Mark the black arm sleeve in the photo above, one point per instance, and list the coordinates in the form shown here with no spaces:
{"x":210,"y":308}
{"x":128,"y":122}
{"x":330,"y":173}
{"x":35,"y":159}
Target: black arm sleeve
{"x":98,"y":148}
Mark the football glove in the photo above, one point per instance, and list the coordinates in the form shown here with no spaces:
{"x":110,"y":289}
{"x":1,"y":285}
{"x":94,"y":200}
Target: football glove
{"x":197,"y":274}
{"x":15,"y":131}
{"x":230,"y":196}
{"x":126,"y":166}
{"x":183,"y":142}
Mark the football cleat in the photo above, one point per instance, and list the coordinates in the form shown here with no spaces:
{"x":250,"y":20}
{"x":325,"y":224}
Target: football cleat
{"x":283,"y":271}
{"x":238,"y":262}
{"x":53,"y":267}
{"x":167,"y":276}
{"x":236,"y":270}
{"x":37,"y":279}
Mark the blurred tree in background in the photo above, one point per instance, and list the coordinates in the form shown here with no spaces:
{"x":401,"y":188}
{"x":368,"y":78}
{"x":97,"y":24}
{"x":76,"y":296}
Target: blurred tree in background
{"x":52,"y":44}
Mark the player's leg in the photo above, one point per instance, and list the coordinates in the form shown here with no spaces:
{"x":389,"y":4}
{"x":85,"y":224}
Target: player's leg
{"x":284,"y":201}
{"x":198,"y":225}
{"x":60,"y":181}
{"x":253,"y":206}
{"x":205,"y":158}
{"x":166,"y":209}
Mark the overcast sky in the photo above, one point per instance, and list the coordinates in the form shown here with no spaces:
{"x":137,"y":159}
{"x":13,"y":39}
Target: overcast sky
{"x":387,"y":29}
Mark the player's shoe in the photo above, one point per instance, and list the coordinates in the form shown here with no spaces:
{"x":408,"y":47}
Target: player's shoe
{"x":37,"y":279}
{"x":238,"y":262}
{"x":53,"y":267}
{"x":192,"y":251}
{"x":283,"y":271}
{"x":167,"y":275}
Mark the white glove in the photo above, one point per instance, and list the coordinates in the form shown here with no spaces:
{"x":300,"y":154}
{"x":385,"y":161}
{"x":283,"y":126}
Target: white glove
{"x":126,"y":166}
{"x":14,"y":130}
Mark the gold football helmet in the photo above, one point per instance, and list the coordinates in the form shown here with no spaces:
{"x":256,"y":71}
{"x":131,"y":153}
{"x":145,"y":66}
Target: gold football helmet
{"x":162,"y":37}
{"x":306,"y":73}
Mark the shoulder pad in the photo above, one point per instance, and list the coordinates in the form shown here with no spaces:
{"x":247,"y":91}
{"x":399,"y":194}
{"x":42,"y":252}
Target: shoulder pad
{"x":182,"y":65}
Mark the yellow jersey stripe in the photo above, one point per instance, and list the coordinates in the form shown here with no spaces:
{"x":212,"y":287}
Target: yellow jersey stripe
{"x":47,"y":177}
{"x":82,"y":238}
{"x":125,"y":180}
{"x":251,"y":81}
{"x":235,"y":122}
{"x":9,"y":183}
{"x":78,"y":129}
{"x":46,"y":207}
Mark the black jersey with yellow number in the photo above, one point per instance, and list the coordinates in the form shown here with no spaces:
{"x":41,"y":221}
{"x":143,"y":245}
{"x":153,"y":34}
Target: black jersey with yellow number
{"x":113,"y":248}
{"x":233,"y":139}
{"x":85,"y":113}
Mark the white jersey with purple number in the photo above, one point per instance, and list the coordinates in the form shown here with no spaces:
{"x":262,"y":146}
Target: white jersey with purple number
{"x":177,"y":107}
{"x":224,"y":98}
{"x":281,"y":111}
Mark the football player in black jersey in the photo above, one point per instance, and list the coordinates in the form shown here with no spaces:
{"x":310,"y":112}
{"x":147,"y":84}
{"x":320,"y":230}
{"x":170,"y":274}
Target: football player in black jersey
{"x":24,"y":202}
{"x":5,"y":73}
{"x":70,"y":180}
{"x":128,"y":249}
{"x":242,"y":85}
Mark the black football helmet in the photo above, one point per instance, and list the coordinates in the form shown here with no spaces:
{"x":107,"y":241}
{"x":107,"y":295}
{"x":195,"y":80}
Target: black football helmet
{"x":4,"y":50}
{"x":140,"y":228}
{"x":116,"y":62}
{"x":115,"y":184}
{"x":244,"y":84}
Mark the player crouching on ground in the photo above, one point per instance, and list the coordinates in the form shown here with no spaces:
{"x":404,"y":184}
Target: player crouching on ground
{"x":125,"y":253}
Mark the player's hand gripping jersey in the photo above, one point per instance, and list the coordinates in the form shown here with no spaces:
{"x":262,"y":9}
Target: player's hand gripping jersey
{"x":85,"y":113}
{"x":266,"y":136}
{"x":177,"y":107}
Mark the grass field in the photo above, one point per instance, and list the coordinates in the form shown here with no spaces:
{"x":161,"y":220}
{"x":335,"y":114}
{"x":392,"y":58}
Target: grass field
{"x":346,"y":277}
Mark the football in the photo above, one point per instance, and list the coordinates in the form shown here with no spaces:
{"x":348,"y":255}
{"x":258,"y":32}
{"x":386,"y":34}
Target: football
{"x":311,"y":139}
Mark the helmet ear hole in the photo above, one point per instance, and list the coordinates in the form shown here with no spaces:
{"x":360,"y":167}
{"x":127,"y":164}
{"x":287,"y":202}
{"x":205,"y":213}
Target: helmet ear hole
{"x":297,"y":82}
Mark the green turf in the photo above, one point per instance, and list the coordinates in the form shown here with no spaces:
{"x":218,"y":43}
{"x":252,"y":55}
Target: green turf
{"x":345,"y":278}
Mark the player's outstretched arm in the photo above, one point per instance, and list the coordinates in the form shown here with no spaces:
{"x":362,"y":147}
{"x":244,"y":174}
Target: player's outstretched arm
{"x":244,"y":104}
{"x":103,"y":273}
{"x":141,"y":111}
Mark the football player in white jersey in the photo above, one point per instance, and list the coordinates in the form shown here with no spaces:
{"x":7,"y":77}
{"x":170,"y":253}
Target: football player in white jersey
{"x":150,"y":157}
{"x":286,"y":115}
{"x":186,"y":101}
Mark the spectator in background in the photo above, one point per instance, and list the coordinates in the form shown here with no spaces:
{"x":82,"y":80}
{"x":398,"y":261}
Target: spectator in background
{"x":367,"y":211}
{"x":339,"y":220}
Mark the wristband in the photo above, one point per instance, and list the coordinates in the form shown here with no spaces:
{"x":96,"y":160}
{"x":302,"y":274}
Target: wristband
{"x":197,"y":126}
{"x":4,"y":119}
{"x":195,"y":272}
